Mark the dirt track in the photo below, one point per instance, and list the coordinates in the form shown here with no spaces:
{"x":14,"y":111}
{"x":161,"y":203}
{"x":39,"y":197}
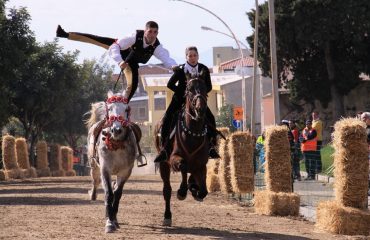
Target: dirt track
{"x":58,"y":208}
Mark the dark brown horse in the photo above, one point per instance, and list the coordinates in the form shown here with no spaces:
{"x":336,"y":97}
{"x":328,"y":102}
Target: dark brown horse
{"x":190,"y":148}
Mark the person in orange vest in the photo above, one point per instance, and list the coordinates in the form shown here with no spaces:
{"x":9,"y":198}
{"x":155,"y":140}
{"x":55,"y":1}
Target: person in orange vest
{"x":309,"y":147}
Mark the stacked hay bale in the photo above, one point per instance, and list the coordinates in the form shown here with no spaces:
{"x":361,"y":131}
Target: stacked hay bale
{"x":224,"y":168}
{"x":55,"y":161}
{"x":11,"y":167}
{"x":23,"y":158}
{"x":348,"y":213}
{"x":67,"y":161}
{"x":42,"y":165}
{"x":278,"y":198}
{"x":2,"y":175}
{"x":213,"y":182}
{"x":241,"y":162}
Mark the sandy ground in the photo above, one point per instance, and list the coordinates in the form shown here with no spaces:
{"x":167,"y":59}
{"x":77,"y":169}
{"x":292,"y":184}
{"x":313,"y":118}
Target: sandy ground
{"x":58,"y":208}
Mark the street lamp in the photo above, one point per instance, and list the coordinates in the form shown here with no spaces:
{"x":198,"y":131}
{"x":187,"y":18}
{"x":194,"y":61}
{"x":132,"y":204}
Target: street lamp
{"x":244,"y":104}
{"x":213,"y":30}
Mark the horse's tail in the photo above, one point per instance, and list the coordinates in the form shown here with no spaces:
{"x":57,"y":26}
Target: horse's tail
{"x":97,"y":113}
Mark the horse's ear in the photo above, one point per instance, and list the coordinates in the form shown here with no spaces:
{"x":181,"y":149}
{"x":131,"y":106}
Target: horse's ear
{"x":110,"y":93}
{"x":187,"y":75}
{"x":201,"y":73}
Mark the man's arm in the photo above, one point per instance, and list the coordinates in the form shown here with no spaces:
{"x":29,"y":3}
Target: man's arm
{"x":163,"y":55}
{"x":121,"y":44}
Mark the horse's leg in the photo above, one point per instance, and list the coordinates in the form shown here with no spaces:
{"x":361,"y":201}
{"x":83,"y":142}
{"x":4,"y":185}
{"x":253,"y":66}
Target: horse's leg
{"x":200,"y":178}
{"x":165,"y":175}
{"x":192,"y":186}
{"x":183,"y":190}
{"x":107,"y":185}
{"x":95,"y":176}
{"x":117,"y":197}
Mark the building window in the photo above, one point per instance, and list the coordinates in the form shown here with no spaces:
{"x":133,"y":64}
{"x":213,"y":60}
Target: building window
{"x":142,"y":113}
{"x":160,"y":104}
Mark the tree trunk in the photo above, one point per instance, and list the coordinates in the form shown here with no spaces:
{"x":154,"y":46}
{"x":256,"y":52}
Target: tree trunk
{"x":337,"y":98}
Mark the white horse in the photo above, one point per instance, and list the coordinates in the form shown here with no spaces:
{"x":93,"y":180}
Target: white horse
{"x":112,"y":150}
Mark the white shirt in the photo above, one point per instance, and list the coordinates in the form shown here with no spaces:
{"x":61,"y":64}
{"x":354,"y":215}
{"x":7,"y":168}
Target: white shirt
{"x":122,"y":44}
{"x":190,"y":69}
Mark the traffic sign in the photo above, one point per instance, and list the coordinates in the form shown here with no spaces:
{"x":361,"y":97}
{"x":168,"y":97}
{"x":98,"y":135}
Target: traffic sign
{"x":238,"y":113}
{"x":237,"y":123}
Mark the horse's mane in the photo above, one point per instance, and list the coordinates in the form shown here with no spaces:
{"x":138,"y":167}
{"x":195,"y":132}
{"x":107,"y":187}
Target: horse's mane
{"x":98,"y":111}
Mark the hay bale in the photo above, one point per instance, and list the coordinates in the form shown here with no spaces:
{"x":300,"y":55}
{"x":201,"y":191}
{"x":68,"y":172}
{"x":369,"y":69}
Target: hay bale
{"x":213,"y":183}
{"x":23,"y":158}
{"x":67,"y":161}
{"x":337,"y":219}
{"x":55,"y":161}
{"x":224,"y":168}
{"x":9,"y":153}
{"x":280,"y":204}
{"x":2,"y":175}
{"x":12,"y":169}
{"x":278,"y":176}
{"x":351,"y":163}
{"x":22,"y":153}
{"x":241,"y":162}
{"x":42,"y":164}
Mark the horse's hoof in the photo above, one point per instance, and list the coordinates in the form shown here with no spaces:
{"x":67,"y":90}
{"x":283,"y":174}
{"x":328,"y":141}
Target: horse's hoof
{"x":110,"y":226}
{"x":167,"y":222}
{"x":198,"y":199}
{"x":92,"y":195}
{"x":116,"y":225}
{"x":180,"y":195}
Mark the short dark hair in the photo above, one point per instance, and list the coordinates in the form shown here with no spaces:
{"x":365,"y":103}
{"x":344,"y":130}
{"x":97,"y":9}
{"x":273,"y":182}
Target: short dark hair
{"x":151,"y":24}
{"x":191,"y":48}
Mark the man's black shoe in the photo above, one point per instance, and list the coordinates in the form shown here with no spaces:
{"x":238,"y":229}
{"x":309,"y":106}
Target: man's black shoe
{"x":61,"y":32}
{"x":213,"y":153}
{"x":161,"y":157}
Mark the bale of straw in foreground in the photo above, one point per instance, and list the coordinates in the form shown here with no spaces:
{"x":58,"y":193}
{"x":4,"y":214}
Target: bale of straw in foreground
{"x":67,"y":160}
{"x":42,"y":165}
{"x":278,"y":176}
{"x":351,"y":163}
{"x":55,"y":161}
{"x":213,"y":183}
{"x":280,"y":204}
{"x":23,"y":158}
{"x":224,"y":168}
{"x":241,"y":162}
{"x":337,"y":219}
{"x":9,"y":155}
{"x":2,"y":175}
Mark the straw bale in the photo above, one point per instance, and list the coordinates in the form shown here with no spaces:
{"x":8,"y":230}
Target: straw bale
{"x":15,"y":173}
{"x":241,"y":162}
{"x":351,"y":163}
{"x":22,"y":153}
{"x":43,"y":172}
{"x":67,"y":158}
{"x":213,"y":183}
{"x":58,"y":173}
{"x":224,"y":168}
{"x":278,"y":176}
{"x":29,"y":173}
{"x":55,"y":161}
{"x":281,"y":204}
{"x":9,"y":153}
{"x":212,"y":166}
{"x":337,"y":219}
{"x":70,"y":173}
{"x":42,"y":155}
{"x":2,"y":175}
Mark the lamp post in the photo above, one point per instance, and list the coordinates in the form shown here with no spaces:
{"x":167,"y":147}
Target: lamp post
{"x":244,"y":104}
{"x":230,"y":36}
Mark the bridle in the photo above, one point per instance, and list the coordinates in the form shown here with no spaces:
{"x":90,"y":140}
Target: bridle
{"x":193,"y":99}
{"x":112,"y":118}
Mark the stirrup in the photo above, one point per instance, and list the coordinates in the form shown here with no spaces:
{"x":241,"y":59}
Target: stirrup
{"x":142,"y":164}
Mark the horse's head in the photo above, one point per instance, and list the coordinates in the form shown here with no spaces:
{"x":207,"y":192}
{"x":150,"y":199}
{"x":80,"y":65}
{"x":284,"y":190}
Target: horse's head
{"x":117,"y":115}
{"x":196,"y":97}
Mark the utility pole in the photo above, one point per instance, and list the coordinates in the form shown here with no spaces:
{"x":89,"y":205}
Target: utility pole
{"x":275,"y":79}
{"x":254,"y":85}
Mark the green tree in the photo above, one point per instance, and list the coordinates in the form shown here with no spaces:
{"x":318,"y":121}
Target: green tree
{"x":17,"y":43}
{"x":225,"y":117}
{"x":324,"y":44}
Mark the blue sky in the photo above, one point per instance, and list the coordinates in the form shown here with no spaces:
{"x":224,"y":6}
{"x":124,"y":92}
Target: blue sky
{"x":179,"y":22}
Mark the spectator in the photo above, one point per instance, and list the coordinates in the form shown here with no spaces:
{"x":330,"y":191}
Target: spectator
{"x":308,"y":141}
{"x":295,"y":156}
{"x":318,"y":126}
{"x":260,"y":153}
